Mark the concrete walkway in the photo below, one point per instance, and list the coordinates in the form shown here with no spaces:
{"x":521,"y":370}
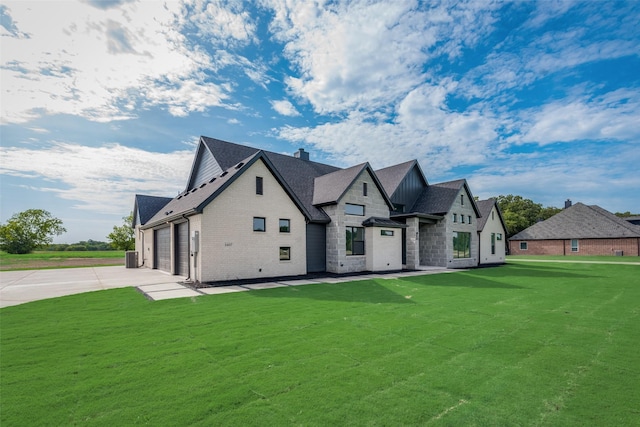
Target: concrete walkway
{"x":19,"y":287}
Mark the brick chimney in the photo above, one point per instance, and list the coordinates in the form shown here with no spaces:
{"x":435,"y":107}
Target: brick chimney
{"x":567,"y":204}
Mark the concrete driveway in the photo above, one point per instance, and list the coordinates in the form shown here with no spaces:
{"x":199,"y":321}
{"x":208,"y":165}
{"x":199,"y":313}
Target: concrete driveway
{"x":18,"y":287}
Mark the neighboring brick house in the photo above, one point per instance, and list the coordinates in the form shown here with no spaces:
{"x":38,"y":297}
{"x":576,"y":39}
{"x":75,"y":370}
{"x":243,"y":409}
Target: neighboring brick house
{"x":578,"y":230}
{"x":250,"y":213}
{"x":492,"y":233}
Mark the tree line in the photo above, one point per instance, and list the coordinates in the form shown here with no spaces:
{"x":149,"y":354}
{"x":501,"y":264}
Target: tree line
{"x":34,"y":229}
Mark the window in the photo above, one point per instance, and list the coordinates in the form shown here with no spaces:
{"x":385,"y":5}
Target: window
{"x":499,"y":236}
{"x":386,"y":232}
{"x":462,"y":199}
{"x":259,"y":224}
{"x":523,"y":246}
{"x":355,"y":241}
{"x":461,"y":244}
{"x":350,"y":209}
{"x":493,"y":243}
{"x":285,"y":253}
{"x":285,"y":225}
{"x":462,"y":219}
{"x":455,"y":217}
{"x":469,"y":219}
{"x":364,"y":188}
{"x":574,"y":245}
{"x":492,"y":218}
{"x":398,"y":207}
{"x":259,"y":185}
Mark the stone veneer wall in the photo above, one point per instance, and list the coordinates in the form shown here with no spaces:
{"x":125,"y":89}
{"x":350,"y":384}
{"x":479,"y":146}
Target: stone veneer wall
{"x":337,"y":259}
{"x":436,"y":240}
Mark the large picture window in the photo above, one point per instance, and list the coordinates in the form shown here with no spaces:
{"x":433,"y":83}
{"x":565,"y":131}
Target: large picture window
{"x":355,"y":241}
{"x":350,"y":209}
{"x":461,"y":244}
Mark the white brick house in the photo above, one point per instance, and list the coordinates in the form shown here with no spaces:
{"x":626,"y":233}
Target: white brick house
{"x":248,"y":213}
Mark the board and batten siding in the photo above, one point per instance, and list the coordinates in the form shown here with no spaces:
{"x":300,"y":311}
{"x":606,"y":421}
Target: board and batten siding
{"x":409,"y":190}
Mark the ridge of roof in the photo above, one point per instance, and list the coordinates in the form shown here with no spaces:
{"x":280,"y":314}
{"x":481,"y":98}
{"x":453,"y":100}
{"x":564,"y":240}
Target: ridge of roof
{"x":298,"y":174}
{"x":192,"y":201}
{"x":579,"y":221}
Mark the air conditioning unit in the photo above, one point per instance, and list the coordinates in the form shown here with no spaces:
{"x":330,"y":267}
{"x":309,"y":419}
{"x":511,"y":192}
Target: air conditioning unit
{"x":618,"y":253}
{"x":131,"y":259}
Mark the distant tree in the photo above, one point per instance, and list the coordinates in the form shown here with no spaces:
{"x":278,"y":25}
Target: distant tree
{"x":520,"y":213}
{"x":548,"y":212}
{"x":122,"y":237}
{"x":29,"y":230}
{"x":625,"y":214}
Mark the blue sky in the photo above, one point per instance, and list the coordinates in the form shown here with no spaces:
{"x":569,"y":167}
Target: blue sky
{"x":101,"y":100}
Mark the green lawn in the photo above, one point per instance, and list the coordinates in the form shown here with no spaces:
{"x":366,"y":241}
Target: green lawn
{"x":523,"y":344}
{"x":59,"y":259}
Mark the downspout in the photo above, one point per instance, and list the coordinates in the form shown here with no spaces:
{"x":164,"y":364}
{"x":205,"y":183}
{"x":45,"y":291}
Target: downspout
{"x":189,"y":242}
{"x":479,"y":249}
{"x":140,"y":232}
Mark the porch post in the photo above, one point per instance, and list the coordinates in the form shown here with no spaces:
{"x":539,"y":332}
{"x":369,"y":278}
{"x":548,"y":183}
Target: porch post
{"x":413,"y":243}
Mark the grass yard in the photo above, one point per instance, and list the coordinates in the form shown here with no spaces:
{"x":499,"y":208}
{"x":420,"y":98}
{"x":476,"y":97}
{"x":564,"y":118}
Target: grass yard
{"x":60,"y":259}
{"x":524,"y":344}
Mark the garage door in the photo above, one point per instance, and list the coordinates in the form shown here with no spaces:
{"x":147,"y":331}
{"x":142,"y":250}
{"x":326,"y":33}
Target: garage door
{"x":182,"y":249}
{"x":162,"y":244}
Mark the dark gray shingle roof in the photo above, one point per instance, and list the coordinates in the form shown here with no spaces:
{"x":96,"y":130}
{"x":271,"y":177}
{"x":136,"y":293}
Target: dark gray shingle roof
{"x":329,"y":188}
{"x":298,"y":174}
{"x":580,"y":222}
{"x":485,"y":207}
{"x":194,"y":200}
{"x":147,"y":206}
{"x":437,"y":199}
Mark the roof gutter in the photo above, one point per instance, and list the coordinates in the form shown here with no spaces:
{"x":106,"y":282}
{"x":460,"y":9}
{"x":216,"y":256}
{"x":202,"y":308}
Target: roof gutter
{"x":169,"y":218}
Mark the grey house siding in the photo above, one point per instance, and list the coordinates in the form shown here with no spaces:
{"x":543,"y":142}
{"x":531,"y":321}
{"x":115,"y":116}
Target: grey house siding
{"x":316,"y":248}
{"x":409,"y":189}
{"x":206,"y":169}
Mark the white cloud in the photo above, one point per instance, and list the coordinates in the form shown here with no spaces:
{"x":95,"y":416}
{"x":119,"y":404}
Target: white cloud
{"x":285,"y":108}
{"x":99,"y":179}
{"x":612,"y":116}
{"x":364,"y":55}
{"x":100,"y":63}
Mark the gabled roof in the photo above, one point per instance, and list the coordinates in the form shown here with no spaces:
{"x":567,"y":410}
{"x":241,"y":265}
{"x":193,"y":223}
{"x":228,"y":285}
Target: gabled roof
{"x":296,"y":173}
{"x":580,"y":221}
{"x":195,"y":200}
{"x":330,"y":188}
{"x":145,"y":207}
{"x":437,"y":199}
{"x":485,"y":207}
{"x":391,"y":177}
